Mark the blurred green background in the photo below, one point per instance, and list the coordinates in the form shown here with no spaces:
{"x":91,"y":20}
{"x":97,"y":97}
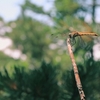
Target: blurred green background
{"x":43,"y":68}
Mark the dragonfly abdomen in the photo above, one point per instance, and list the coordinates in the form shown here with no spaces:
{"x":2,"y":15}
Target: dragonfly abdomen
{"x":90,"y":34}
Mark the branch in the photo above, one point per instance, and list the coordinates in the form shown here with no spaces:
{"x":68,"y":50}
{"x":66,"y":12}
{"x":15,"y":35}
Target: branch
{"x":77,"y":78}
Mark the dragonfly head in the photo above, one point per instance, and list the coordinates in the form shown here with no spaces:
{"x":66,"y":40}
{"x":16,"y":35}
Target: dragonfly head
{"x":70,"y":35}
{"x":73,"y":34}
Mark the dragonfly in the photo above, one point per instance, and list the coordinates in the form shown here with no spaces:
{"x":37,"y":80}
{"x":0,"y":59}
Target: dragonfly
{"x":82,"y":37}
{"x":74,"y":34}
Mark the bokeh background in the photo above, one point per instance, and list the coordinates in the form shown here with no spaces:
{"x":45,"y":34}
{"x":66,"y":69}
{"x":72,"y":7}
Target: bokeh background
{"x":34,"y":60}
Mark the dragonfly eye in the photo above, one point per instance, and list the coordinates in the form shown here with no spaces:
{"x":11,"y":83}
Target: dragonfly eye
{"x":70,"y":35}
{"x":75,"y":34}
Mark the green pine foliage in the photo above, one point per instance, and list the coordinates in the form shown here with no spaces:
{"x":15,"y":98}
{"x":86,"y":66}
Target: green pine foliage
{"x":37,"y":84}
{"x":44,"y":82}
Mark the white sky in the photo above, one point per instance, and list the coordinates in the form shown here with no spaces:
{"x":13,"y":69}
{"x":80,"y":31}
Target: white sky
{"x":10,"y":9}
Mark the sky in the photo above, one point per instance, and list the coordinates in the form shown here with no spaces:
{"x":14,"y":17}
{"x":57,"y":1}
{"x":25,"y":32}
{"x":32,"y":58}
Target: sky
{"x":10,"y":9}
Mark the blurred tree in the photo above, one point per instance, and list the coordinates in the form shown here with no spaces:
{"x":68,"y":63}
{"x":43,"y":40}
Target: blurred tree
{"x":29,"y":35}
{"x":5,"y":59}
{"x":30,"y":39}
{"x":33,"y":37}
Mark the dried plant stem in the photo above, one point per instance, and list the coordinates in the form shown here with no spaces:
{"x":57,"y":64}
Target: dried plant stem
{"x":77,"y":78}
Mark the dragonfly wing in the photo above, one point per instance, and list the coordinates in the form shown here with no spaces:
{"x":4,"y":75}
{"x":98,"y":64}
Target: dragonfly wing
{"x":81,"y":42}
{"x":86,"y":42}
{"x":88,"y":38}
{"x":72,"y":41}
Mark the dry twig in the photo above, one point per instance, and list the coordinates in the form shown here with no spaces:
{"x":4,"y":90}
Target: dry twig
{"x":77,"y":78}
